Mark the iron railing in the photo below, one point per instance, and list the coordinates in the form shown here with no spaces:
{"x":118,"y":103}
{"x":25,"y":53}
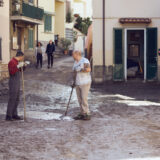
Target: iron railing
{"x":21,"y":8}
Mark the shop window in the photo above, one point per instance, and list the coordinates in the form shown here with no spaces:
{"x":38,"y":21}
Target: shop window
{"x":47,"y":23}
{"x":30,"y":39}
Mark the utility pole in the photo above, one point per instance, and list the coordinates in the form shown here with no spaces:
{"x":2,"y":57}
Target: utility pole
{"x":104,"y":39}
{"x":37,"y":25}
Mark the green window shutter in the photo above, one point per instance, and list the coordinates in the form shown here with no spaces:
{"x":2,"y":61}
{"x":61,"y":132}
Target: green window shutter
{"x":50,"y":23}
{"x":151,"y":53}
{"x":30,"y":38}
{"x":47,"y":23}
{"x":118,"y":70}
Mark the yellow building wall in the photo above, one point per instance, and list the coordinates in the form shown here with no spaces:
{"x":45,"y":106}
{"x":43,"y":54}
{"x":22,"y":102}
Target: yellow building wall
{"x":49,"y":8}
{"x":60,"y":18}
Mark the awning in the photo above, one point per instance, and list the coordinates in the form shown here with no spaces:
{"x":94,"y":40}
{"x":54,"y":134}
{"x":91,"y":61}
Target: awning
{"x":26,"y":19}
{"x":135,"y":20}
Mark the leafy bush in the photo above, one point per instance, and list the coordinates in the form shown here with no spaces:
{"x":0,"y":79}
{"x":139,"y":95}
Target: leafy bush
{"x":69,"y":17}
{"x":65,"y":43}
{"x":82,"y":24}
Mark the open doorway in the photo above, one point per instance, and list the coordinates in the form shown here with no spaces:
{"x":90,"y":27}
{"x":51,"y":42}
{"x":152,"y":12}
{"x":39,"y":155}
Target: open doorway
{"x":135,"y":55}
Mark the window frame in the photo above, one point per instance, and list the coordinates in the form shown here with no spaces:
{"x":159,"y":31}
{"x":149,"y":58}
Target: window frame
{"x":47,"y":22}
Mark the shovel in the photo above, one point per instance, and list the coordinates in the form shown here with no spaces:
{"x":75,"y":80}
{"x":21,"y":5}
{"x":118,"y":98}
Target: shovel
{"x":70,"y":97}
{"x":65,"y":114}
{"x":69,"y":101}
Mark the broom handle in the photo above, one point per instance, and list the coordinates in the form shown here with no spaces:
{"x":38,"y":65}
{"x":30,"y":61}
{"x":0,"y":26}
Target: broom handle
{"x":24,"y":99}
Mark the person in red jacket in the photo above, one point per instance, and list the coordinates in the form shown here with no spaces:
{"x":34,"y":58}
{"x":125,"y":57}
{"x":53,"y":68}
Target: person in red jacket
{"x":14,"y":86}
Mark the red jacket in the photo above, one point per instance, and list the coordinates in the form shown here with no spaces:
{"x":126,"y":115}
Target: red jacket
{"x":12,"y":66}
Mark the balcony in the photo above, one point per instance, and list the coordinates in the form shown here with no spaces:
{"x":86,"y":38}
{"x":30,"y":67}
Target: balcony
{"x":60,"y":1}
{"x":80,"y":1}
{"x":26,"y":12}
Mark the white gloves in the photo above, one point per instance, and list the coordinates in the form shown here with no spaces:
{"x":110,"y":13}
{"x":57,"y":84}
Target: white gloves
{"x":23,"y":64}
{"x":20,"y":65}
{"x":27,"y":63}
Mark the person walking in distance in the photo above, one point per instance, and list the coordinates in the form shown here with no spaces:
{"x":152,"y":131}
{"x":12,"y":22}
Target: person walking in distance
{"x":38,"y":54}
{"x":14,"y":86}
{"x":82,"y":79}
{"x":50,"y":53}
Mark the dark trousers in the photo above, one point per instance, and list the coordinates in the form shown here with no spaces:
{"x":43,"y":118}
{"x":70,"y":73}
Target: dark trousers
{"x":39,"y":59}
{"x":14,"y":93}
{"x":50,"y":59}
{"x":56,"y":42}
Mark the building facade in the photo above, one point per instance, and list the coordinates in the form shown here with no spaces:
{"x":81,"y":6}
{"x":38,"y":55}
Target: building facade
{"x":126,"y":40}
{"x":60,"y":18}
{"x":54,"y":20}
{"x":4,"y":39}
{"x":25,"y":16}
{"x":47,"y":29}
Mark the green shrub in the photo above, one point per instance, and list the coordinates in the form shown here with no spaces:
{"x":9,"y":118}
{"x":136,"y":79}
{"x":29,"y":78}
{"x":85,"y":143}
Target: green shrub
{"x":82,"y":24}
{"x":65,"y":43}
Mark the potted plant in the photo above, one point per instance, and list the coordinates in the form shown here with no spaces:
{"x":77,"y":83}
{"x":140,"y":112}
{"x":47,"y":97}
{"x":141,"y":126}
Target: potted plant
{"x":65,"y":43}
{"x":69,"y":17}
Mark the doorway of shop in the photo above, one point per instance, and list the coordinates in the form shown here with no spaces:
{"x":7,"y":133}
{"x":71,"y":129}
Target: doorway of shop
{"x":135,"y":54}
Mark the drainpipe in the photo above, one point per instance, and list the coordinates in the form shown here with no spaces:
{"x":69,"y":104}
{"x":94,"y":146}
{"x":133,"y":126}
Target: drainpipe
{"x":37,"y":25}
{"x":104,"y":39}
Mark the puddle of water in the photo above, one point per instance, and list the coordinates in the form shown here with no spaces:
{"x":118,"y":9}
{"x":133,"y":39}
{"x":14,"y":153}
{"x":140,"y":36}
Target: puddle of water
{"x":50,"y":129}
{"x":43,"y":115}
{"x":138,"y":103}
{"x":67,"y":118}
{"x":116,"y":96}
{"x":47,"y":116}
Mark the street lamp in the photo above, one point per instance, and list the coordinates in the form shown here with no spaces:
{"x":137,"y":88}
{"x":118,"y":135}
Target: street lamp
{"x":1,"y":3}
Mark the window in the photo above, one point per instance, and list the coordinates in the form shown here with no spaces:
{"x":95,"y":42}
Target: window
{"x":47,"y":23}
{"x":0,"y":49}
{"x":30,"y":39}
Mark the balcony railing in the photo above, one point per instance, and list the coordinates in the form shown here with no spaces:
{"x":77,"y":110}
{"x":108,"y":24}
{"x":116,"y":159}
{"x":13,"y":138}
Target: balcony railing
{"x":27,"y":10}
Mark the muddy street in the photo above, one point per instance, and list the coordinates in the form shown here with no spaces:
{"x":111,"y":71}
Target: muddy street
{"x":125,"y":122}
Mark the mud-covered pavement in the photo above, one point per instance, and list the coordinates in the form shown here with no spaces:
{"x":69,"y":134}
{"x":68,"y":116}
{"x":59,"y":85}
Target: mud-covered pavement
{"x":125,"y":122}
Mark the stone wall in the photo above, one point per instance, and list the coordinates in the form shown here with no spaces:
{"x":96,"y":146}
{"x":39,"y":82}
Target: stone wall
{"x":98,"y":74}
{"x":3,"y":71}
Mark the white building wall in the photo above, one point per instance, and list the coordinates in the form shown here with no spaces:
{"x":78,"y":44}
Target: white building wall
{"x":127,"y":8}
{"x":79,"y":44}
{"x":116,"y":9}
{"x":149,"y":10}
{"x":5,"y":32}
